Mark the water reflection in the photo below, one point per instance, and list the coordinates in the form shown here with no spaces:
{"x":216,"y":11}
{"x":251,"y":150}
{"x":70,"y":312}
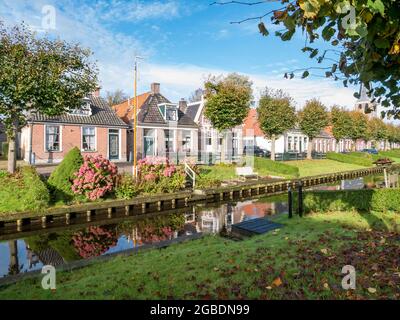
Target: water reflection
{"x":57,"y":248}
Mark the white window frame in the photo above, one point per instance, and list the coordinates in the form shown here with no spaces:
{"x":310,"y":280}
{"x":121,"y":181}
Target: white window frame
{"x":45,"y":138}
{"x":95,"y":139}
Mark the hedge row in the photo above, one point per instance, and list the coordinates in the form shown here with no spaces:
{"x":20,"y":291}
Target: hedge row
{"x":275,"y":167}
{"x":379,"y":200}
{"x":351,"y":159}
{"x":392,"y":153}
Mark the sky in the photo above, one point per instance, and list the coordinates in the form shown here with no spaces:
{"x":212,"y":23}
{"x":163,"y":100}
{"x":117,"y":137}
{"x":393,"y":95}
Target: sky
{"x":181,"y":42}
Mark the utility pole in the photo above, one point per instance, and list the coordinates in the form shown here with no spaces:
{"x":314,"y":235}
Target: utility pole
{"x":135,"y":109}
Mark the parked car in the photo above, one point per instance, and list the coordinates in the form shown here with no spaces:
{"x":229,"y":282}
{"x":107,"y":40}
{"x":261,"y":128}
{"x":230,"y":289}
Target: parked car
{"x":371,"y":151}
{"x":257,"y":151}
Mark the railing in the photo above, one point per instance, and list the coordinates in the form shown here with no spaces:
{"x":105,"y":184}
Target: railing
{"x":191,"y":174}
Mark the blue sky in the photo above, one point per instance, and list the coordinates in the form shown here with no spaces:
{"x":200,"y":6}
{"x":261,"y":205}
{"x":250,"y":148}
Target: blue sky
{"x":182,"y":41}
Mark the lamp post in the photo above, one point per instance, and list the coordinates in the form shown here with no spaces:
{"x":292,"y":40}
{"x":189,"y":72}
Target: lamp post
{"x":135,"y":108}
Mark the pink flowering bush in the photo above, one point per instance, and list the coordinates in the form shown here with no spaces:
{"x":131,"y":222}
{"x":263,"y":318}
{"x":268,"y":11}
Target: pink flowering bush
{"x":94,"y":241}
{"x":95,"y":178}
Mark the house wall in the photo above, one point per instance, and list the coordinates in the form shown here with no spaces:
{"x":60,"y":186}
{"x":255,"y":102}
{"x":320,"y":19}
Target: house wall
{"x":71,"y":136}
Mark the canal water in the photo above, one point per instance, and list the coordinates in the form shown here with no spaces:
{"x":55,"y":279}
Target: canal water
{"x":56,"y":245}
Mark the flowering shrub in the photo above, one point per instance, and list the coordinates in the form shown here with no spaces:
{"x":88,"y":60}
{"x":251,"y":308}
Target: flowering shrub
{"x":93,"y":242}
{"x":95,"y":177}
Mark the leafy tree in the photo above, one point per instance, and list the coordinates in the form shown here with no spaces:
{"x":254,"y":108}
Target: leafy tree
{"x":312,"y":120}
{"x":228,"y":102}
{"x":60,"y":180}
{"x":359,"y":127}
{"x":276,"y":115}
{"x":39,"y":75}
{"x":363,"y":35}
{"x":116,"y":97}
{"x":393,"y":134}
{"x":341,"y":124}
{"x":377,"y":130}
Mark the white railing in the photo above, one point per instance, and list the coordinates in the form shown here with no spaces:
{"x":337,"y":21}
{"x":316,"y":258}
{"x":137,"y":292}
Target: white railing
{"x":191,"y":174}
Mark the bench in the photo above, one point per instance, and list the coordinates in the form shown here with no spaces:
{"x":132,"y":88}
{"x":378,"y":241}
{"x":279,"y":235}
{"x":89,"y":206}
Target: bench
{"x":246,"y":173}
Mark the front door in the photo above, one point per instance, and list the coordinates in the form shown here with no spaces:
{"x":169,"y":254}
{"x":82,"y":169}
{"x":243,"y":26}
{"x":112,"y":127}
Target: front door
{"x":113,"y":144}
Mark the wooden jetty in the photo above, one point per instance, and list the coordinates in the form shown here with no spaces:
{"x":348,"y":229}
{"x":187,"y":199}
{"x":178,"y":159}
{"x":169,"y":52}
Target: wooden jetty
{"x":142,"y":204}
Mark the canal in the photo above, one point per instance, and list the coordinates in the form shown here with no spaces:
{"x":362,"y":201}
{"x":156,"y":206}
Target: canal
{"x":57,"y":244}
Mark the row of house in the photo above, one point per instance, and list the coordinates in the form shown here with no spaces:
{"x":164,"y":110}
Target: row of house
{"x":167,"y":129}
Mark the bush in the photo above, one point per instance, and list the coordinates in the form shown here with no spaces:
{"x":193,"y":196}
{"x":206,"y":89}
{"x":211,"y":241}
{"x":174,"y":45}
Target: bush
{"x":273,"y":167}
{"x":60,"y":181}
{"x":348,"y":200}
{"x":4,"y":150}
{"x":395,"y":153}
{"x":23,"y":191}
{"x":348,"y":158}
{"x":204,"y":182}
{"x":95,"y":178}
{"x":126,"y":187}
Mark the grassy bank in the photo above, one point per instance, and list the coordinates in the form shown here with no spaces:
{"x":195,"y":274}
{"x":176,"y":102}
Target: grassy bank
{"x":354,"y":159}
{"x":316,"y":167}
{"x":302,"y":261}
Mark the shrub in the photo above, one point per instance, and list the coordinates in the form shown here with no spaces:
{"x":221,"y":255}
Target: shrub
{"x":60,"y":181}
{"x":204,"y":182}
{"x":351,"y":159}
{"x":348,"y":200}
{"x":273,"y":167}
{"x":95,"y":178}
{"x":94,"y":241}
{"x":395,"y":153}
{"x":126,"y":187}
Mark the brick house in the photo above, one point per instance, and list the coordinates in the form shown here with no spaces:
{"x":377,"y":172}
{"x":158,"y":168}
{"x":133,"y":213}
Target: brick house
{"x":94,"y":128}
{"x":163,"y":128}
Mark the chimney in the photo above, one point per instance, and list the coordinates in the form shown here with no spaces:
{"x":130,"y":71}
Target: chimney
{"x":155,"y":88}
{"x":183,"y":105}
{"x":96,"y":93}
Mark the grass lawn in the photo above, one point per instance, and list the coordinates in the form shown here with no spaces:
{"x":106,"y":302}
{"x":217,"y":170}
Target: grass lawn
{"x":316,"y":167}
{"x":301,"y":261}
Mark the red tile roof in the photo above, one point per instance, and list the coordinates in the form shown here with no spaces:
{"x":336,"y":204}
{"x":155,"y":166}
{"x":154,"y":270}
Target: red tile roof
{"x":124,"y":110}
{"x":251,"y":123}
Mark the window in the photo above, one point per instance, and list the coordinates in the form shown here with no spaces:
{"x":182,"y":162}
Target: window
{"x":186,"y":141}
{"x":88,"y":139}
{"x":208,"y":138}
{"x":148,"y":137}
{"x":53,"y":138}
{"x":171,"y":114}
{"x":295,"y":143}
{"x":169,"y":140}
{"x":289,"y":143}
{"x":84,"y":110}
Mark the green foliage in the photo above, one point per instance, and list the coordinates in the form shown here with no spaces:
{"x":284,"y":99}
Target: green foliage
{"x":60,"y":180}
{"x":367,"y":45}
{"x":377,"y":129}
{"x":352,"y":159}
{"x":228,"y":101}
{"x":313,"y":118}
{"x":126,"y":187}
{"x":206,"y":182}
{"x":40,"y":74}
{"x":4,"y":150}
{"x":341,"y":123}
{"x":275,"y":113}
{"x":392,"y":153}
{"x":359,"y":129}
{"x":268,"y":167}
{"x":365,"y":155}
{"x":379,"y":200}
{"x":23,"y":191}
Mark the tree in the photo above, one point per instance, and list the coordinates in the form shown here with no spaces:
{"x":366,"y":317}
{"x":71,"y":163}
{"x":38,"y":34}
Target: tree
{"x":393,"y":134}
{"x":363,"y":35}
{"x":359,"y":127}
{"x":39,"y":75}
{"x":377,"y":130}
{"x":228,"y":102}
{"x":275,"y":115}
{"x":196,"y":95}
{"x":312,"y":120}
{"x":341,"y":124}
{"x":116,"y":97}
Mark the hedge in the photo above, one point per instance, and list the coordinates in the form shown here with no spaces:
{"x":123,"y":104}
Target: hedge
{"x":351,"y":159}
{"x":274,"y":167}
{"x":395,"y":153}
{"x":24,"y":191}
{"x":378,"y":200}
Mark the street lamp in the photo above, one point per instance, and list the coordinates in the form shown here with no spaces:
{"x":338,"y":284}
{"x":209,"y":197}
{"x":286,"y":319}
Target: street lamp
{"x":135,"y":108}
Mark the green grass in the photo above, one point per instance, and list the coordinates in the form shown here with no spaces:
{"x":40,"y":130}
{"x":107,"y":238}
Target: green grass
{"x":301,"y":261}
{"x":218,"y":172}
{"x":317,"y":167}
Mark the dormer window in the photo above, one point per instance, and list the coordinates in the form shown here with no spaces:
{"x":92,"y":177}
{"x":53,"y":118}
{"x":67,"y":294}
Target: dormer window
{"x":169,"y":111}
{"x":84,"y":110}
